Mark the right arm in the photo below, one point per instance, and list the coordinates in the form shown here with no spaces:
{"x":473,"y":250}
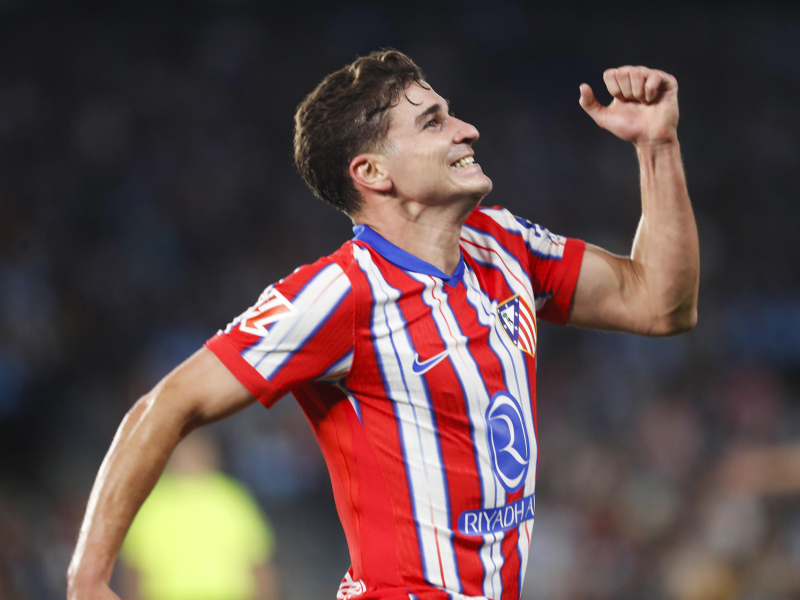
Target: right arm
{"x":198,"y":392}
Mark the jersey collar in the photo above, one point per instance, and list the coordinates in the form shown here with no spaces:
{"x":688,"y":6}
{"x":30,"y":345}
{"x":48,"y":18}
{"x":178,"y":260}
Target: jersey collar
{"x":404,"y":260}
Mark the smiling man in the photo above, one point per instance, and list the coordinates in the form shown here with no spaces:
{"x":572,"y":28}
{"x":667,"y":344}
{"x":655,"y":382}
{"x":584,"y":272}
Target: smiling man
{"x":412,"y":349}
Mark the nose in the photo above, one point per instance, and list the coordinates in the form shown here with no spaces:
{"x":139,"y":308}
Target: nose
{"x":464,"y":132}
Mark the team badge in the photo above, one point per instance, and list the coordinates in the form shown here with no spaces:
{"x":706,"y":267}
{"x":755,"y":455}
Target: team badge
{"x":271,"y":306}
{"x":519,"y":323}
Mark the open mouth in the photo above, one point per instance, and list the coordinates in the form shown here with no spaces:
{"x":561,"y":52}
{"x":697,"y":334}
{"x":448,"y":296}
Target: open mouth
{"x":464,"y":162}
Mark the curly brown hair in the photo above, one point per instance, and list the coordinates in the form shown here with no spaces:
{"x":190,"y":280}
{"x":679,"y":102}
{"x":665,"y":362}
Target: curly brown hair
{"x":346,"y":115}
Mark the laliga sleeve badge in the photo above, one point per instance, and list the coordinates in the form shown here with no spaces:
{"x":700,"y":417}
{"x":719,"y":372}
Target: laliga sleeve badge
{"x":271,"y":306}
{"x":519,"y":323}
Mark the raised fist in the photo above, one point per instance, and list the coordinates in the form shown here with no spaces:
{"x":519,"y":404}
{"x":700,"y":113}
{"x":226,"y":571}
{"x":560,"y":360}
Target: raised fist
{"x":645,"y":105}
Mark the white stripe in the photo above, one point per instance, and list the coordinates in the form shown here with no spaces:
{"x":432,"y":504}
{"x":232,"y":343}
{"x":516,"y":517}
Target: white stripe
{"x":477,"y":401}
{"x":314,"y":305}
{"x":419,"y":435}
{"x":516,"y":379}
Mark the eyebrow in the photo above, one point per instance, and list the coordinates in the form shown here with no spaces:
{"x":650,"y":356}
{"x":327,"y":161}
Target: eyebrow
{"x":431,"y":110}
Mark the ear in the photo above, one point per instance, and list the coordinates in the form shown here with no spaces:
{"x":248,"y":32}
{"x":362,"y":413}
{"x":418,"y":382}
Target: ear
{"x":369,"y":172}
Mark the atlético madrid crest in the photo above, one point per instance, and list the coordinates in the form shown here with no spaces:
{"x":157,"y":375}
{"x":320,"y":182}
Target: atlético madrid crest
{"x":519,"y":323}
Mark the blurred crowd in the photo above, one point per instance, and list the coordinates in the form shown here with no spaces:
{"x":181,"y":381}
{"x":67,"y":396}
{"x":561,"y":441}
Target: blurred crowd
{"x":148,"y":195}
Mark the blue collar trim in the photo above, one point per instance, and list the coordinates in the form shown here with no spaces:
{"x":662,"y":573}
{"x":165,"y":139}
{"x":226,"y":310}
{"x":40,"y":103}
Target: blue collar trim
{"x":406,"y":261}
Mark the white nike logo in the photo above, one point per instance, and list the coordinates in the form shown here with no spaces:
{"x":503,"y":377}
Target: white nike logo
{"x":423,"y":367}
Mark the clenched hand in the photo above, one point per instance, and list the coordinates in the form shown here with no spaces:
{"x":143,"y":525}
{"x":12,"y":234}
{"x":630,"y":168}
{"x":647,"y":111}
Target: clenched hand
{"x":645,"y":105}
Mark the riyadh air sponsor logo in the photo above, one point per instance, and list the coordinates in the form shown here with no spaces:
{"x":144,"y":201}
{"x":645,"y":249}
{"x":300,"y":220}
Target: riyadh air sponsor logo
{"x":493,"y":520}
{"x":349,"y":588}
{"x":426,"y":365}
{"x":508,"y":441}
{"x":271,"y":306}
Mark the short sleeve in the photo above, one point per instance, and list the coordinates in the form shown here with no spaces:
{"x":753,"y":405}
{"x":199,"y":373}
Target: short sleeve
{"x":299,"y":330}
{"x":555,"y":263}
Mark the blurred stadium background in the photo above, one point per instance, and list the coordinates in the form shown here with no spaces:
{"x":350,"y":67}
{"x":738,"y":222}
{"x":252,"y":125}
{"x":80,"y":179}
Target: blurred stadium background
{"x":148,"y":195}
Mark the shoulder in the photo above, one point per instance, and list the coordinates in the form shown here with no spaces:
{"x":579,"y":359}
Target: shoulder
{"x":492,"y":220}
{"x":324,"y":275}
{"x":493,"y":228}
{"x":509,"y":228}
{"x":314,"y":290}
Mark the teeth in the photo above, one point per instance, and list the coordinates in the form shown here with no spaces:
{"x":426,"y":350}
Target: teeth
{"x":464,"y":162}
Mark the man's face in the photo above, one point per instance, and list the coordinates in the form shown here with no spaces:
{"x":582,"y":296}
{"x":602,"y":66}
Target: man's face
{"x":431,"y":157}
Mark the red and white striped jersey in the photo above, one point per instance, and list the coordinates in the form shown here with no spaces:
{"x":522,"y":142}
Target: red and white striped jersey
{"x":420,"y":389}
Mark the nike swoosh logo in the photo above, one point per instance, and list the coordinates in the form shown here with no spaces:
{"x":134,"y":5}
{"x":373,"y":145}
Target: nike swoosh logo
{"x":423,"y":367}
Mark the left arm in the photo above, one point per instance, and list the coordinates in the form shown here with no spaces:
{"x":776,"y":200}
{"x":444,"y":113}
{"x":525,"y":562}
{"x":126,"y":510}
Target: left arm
{"x":654,"y":290}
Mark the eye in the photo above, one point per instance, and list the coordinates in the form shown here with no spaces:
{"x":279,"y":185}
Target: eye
{"x":435,"y":122}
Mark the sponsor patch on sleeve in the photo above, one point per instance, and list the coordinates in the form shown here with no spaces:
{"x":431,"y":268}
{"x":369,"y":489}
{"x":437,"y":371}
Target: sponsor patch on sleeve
{"x":272,"y":306}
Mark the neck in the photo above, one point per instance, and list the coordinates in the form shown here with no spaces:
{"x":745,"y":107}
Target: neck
{"x":430,"y":233}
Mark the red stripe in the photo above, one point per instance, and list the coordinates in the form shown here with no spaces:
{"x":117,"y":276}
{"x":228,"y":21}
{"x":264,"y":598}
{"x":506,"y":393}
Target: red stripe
{"x":290,"y":285}
{"x":361,"y":492}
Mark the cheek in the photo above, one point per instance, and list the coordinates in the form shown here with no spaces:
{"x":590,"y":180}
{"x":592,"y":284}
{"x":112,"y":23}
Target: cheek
{"x":421,"y":165}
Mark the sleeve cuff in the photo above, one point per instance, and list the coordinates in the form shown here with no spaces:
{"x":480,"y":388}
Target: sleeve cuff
{"x":263,"y":391}
{"x":571,"y":263}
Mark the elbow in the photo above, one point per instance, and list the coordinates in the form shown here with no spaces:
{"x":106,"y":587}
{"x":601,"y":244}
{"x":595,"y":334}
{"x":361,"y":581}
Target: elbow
{"x":166,"y":406}
{"x":686,"y":321}
{"x":674,"y":323}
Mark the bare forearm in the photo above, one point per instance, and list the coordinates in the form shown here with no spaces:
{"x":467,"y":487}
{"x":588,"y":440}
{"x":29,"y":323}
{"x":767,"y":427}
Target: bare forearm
{"x":135,"y":460}
{"x":666,"y":253}
{"x":199,"y":391}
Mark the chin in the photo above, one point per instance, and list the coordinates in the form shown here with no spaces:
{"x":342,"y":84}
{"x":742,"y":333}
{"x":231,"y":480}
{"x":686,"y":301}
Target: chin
{"x":482,"y":188}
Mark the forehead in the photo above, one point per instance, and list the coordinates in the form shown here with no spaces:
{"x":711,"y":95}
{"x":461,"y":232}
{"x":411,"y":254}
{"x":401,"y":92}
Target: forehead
{"x":403,"y":114}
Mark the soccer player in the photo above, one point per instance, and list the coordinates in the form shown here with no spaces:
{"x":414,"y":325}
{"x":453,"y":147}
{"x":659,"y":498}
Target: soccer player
{"x":412,"y":348}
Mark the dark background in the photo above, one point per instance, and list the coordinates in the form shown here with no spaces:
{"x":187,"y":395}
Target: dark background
{"x":148,"y":195}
